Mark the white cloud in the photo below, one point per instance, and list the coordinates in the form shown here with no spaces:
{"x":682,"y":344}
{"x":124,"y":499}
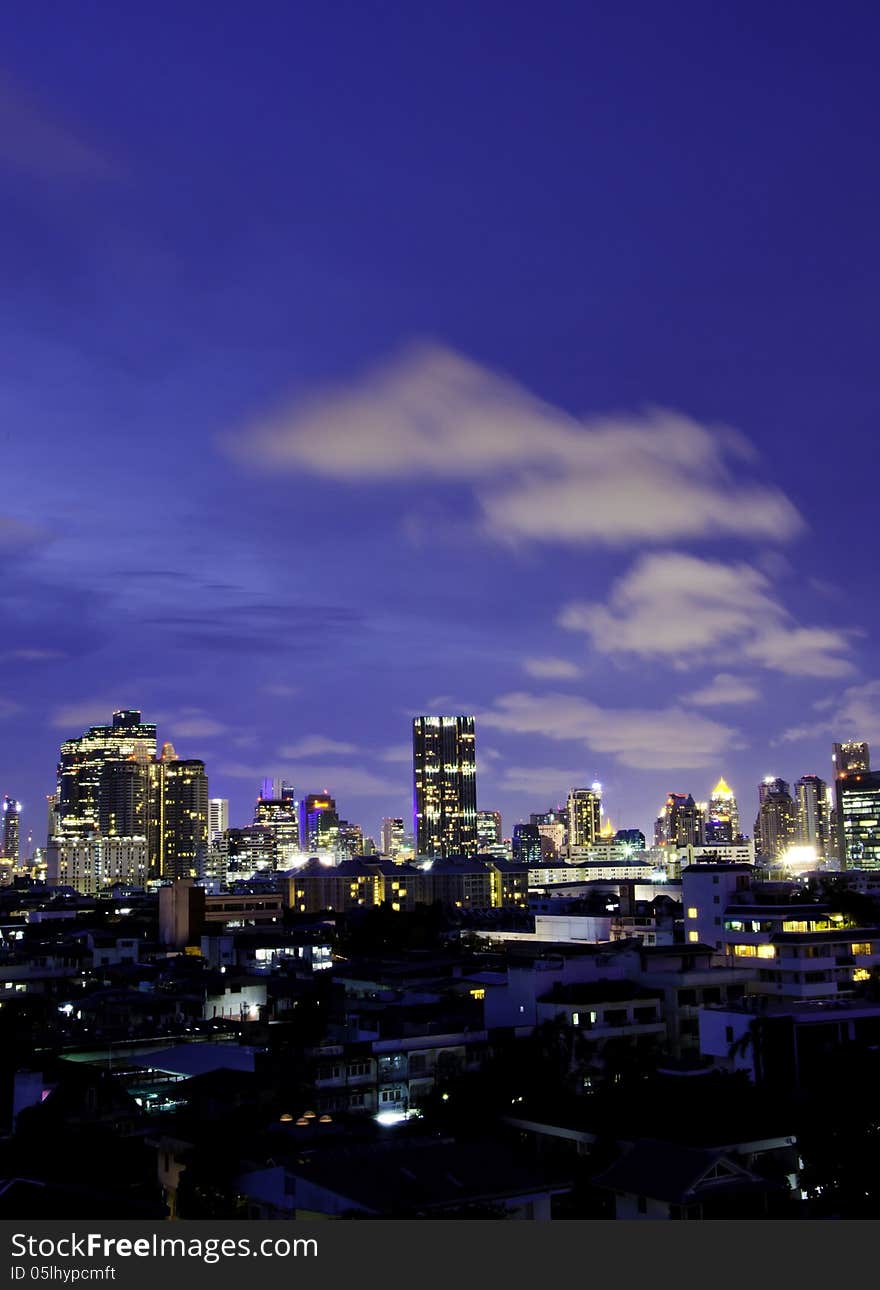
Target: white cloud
{"x":854,"y":715}
{"x":723,"y":689}
{"x":686,"y":609}
{"x":316,"y":746}
{"x":551,"y":669}
{"x":538,"y":473}
{"x":194,"y":726}
{"x":86,"y":712}
{"x":281,"y":691}
{"x":549,"y":782}
{"x":644,"y":739}
{"x":402,"y":753}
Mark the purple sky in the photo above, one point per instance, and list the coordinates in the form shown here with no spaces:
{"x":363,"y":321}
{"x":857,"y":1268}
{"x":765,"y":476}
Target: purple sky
{"x":361,"y":361}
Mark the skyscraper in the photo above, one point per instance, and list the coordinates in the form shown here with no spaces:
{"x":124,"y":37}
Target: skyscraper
{"x":857,"y":807}
{"x":218,"y":817}
{"x":81,"y":765}
{"x":811,"y":794}
{"x":488,"y":829}
{"x":11,"y":829}
{"x":526,"y":844}
{"x":584,"y":816}
{"x":444,"y":786}
{"x":178,"y":834}
{"x":280,"y":816}
{"x":776,"y":822}
{"x":392,"y":836}
{"x":850,"y":757}
{"x":722,"y":819}
{"x":681,"y":823}
{"x":318,"y":822}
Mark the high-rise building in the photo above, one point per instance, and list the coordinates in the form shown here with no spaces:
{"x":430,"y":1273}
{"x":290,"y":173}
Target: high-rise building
{"x":488,"y":829}
{"x":318,"y":823}
{"x":722,"y":816}
{"x":526,"y":844}
{"x":178,"y":834}
{"x":392,"y":836}
{"x":280,"y":815}
{"x":850,"y":757}
{"x":11,"y":829}
{"x":811,"y":794}
{"x":81,"y":766}
{"x":681,"y":823}
{"x":218,"y":817}
{"x":857,"y":807}
{"x":584,"y":816}
{"x":349,"y":840}
{"x":444,"y":786}
{"x":776,"y":822}
{"x":124,"y":797}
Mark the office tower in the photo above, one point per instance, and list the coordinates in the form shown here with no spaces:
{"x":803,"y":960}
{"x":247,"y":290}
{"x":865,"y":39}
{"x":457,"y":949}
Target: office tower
{"x":681,"y":823}
{"x":280,"y":816}
{"x":392,"y":836}
{"x":776,"y":822}
{"x":526,"y":846}
{"x":218,"y":817}
{"x":850,"y":757}
{"x":584,"y":816}
{"x":276,"y":790}
{"x":722,"y":816}
{"x":123,"y":797}
{"x":857,"y":805}
{"x":633,"y":838}
{"x":811,"y":795}
{"x":444,"y":786}
{"x":82,"y":762}
{"x":178,"y":826}
{"x":488,"y":829}
{"x":853,"y":833}
{"x":11,"y":829}
{"x":349,"y":840}
{"x":318,"y":823}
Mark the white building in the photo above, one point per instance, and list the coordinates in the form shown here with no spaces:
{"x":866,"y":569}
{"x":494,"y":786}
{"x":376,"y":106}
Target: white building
{"x":90,"y":865}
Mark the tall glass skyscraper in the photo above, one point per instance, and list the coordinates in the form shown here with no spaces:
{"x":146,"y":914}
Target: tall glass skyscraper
{"x":444,"y":786}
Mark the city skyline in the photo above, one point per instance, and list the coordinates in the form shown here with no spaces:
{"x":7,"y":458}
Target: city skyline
{"x":533,"y":401}
{"x":134,"y":742}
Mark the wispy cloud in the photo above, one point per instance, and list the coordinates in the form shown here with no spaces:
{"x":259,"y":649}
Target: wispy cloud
{"x":723,"y":689}
{"x":644,"y":739}
{"x":316,"y":746}
{"x":551,"y":669}
{"x":683,"y":608}
{"x":537,"y":473}
{"x":853,"y":715}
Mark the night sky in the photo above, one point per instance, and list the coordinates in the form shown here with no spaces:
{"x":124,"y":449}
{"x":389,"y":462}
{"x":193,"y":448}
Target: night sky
{"x":368,"y":359}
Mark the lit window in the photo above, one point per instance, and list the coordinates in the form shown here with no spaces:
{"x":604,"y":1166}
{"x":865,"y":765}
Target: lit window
{"x":692,"y":911}
{"x":862,"y":947}
{"x":693,"y":937}
{"x":766,"y":952}
{"x":861,"y":974}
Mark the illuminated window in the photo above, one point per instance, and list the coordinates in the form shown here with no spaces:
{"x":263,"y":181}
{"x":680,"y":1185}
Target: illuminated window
{"x":861,"y":974}
{"x":692,"y":911}
{"x":862,"y":947}
{"x":693,"y":937}
{"x":478,"y":993}
{"x":766,"y":952}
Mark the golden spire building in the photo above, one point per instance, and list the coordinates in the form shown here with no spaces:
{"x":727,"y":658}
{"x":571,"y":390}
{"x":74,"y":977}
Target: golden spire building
{"x":722,"y":817}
